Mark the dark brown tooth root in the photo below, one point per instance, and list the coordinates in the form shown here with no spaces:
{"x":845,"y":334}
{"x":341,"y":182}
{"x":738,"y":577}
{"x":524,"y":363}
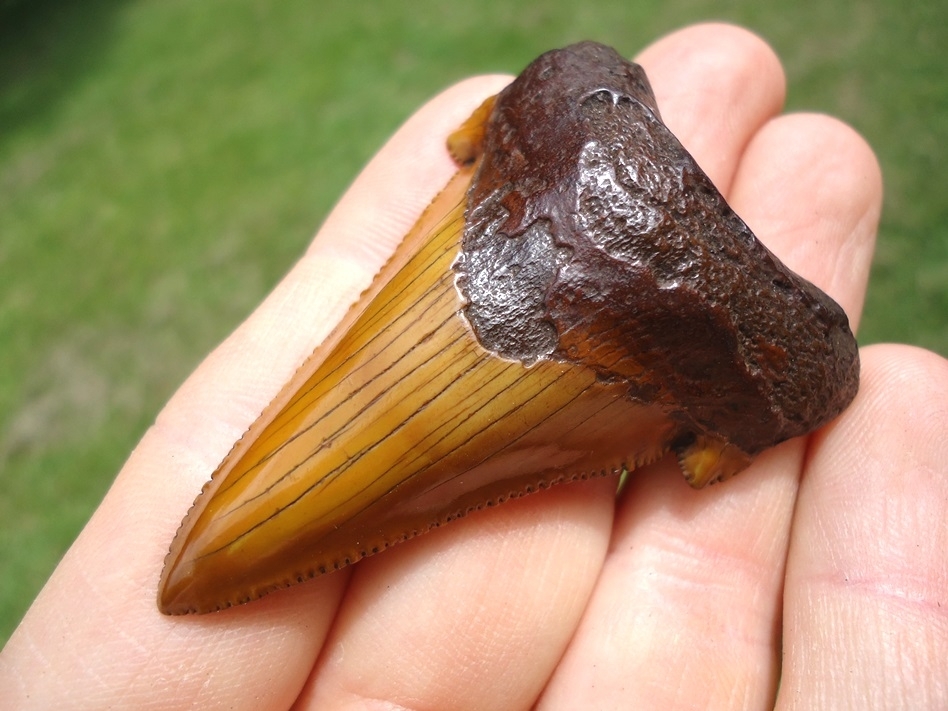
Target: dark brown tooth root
{"x":593,"y":238}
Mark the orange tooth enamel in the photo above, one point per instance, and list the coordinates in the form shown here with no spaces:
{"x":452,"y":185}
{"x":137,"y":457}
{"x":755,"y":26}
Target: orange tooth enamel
{"x":404,"y":424}
{"x":555,"y":314}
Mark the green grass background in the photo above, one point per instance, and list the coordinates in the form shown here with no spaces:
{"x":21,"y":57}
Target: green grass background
{"x":163,"y":162}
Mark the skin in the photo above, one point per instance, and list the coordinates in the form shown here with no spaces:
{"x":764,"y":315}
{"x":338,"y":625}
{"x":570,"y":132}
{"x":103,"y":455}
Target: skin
{"x":821,"y":567}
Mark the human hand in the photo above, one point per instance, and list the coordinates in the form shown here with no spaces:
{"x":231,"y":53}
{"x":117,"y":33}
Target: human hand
{"x":823,"y":566}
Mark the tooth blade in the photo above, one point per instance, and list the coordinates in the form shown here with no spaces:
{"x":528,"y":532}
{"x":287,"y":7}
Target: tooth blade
{"x":403,"y":422}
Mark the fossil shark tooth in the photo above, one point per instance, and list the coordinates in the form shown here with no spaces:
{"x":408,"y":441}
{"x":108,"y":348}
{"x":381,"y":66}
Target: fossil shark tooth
{"x":578,"y":300}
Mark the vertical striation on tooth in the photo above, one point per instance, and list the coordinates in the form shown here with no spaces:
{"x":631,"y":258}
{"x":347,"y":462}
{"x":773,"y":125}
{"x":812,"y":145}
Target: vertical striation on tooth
{"x":577,"y":301}
{"x":401,"y":422}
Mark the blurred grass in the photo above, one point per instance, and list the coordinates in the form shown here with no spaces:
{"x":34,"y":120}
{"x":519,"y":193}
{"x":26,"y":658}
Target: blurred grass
{"x":162,"y":163}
